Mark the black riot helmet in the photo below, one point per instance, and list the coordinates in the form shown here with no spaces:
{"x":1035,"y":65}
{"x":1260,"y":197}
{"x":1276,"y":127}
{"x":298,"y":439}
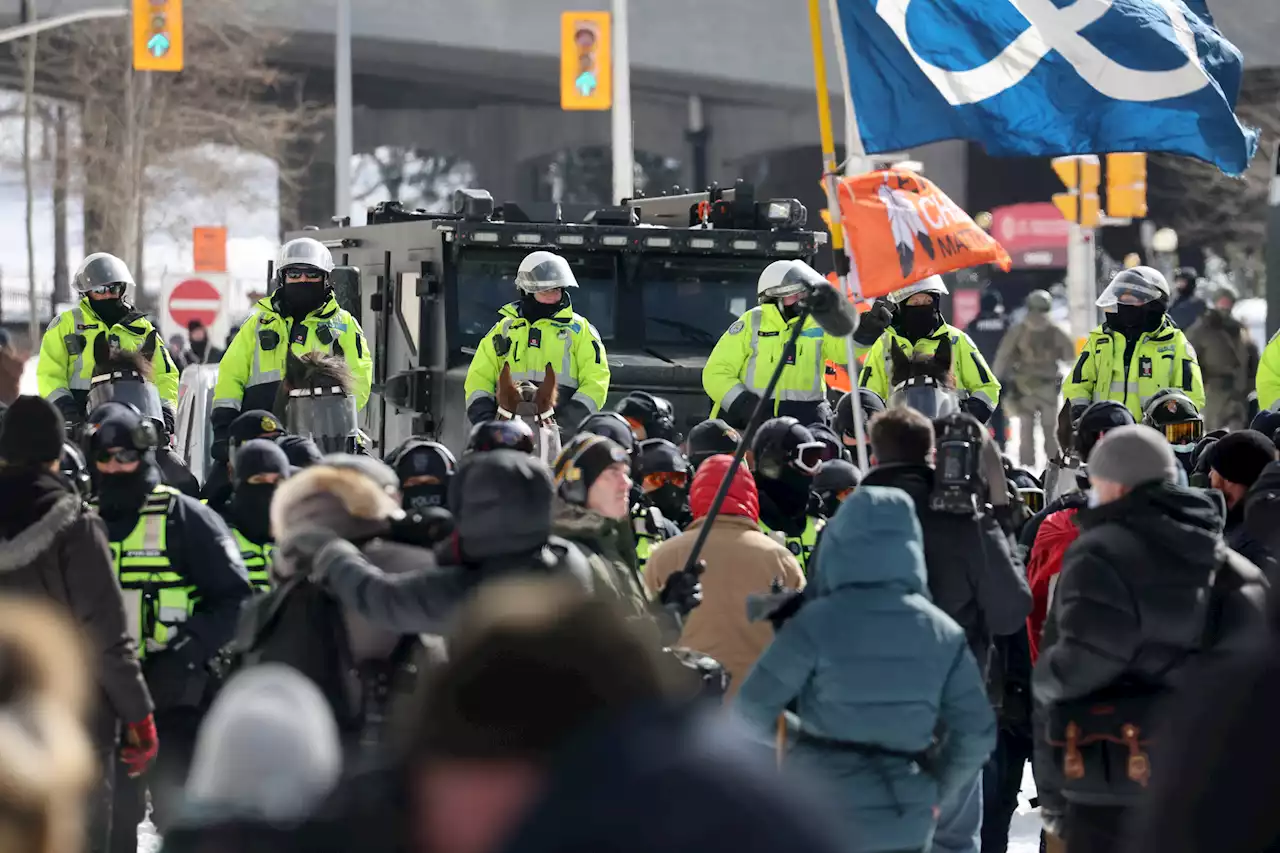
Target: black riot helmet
{"x":711,"y":438}
{"x":612,"y":426}
{"x":872,"y":404}
{"x":501,"y":435}
{"x":835,"y":447}
{"x":659,"y":456}
{"x":783,"y":444}
{"x":1173,"y":414}
{"x":1096,"y":421}
{"x":425,"y":469}
{"x":836,"y":479}
{"x":663,"y":474}
{"x":75,"y":469}
{"x":654,"y":415}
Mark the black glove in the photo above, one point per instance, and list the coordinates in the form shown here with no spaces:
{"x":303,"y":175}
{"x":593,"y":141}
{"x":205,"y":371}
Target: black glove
{"x":170,"y":419}
{"x":976,"y":407}
{"x":683,"y":590}
{"x":786,"y":610}
{"x":482,"y":409}
{"x":738,"y":415}
{"x":871,"y":324}
{"x":571,"y":413}
{"x":72,"y":412}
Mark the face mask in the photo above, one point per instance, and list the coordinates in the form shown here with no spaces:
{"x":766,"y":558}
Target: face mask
{"x":1136,"y":319}
{"x":917,"y":321}
{"x":250,"y":511}
{"x":423,"y":497}
{"x":111,"y":311}
{"x":669,"y":500}
{"x":199,"y":347}
{"x":303,"y":297}
{"x":532,"y":310}
{"x":123,"y":494}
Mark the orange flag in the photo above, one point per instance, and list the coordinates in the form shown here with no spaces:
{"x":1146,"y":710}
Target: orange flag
{"x":901,"y":228}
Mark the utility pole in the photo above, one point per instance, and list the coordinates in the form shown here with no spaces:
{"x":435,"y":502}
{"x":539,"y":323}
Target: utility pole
{"x":28,"y":107}
{"x":342,"y":131}
{"x":624,"y":176}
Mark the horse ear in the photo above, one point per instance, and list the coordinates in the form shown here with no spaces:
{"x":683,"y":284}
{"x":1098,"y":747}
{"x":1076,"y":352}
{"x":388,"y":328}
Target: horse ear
{"x":942,"y":356}
{"x":508,"y":393}
{"x":548,"y":391}
{"x":901,"y":364}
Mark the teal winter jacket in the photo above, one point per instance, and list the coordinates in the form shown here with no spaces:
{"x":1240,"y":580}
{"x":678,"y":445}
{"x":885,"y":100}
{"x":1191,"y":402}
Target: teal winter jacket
{"x":871,"y":661}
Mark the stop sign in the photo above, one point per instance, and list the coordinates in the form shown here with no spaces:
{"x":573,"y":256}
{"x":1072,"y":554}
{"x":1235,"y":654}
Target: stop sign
{"x":194,"y":299}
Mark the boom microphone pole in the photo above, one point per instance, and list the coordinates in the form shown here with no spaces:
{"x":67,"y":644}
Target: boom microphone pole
{"x":836,"y":317}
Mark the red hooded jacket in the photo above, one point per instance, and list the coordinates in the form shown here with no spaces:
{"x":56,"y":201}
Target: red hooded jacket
{"x":1052,"y":540}
{"x":743,"y":499}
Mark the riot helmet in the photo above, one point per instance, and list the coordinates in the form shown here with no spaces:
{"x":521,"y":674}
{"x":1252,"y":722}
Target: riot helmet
{"x":102,"y":273}
{"x":710,"y":438}
{"x":505,"y":435}
{"x":1135,"y":286}
{"x":1177,"y":418}
{"x":1039,"y":302}
{"x":872,"y":404}
{"x":131,"y":388}
{"x":303,"y":274}
{"x":1096,"y":421}
{"x":326,"y":415}
{"x":425,"y":469}
{"x":783,"y":445}
{"x":786,"y":278}
{"x":118,"y":431}
{"x":663,"y":474}
{"x":613,"y":426}
{"x":932,"y":284}
{"x":541,"y":271}
{"x":836,"y":479}
{"x":835,"y":447}
{"x":650,"y":416}
{"x":913,"y":318}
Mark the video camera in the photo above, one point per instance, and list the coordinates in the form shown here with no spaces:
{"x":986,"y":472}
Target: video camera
{"x":958,"y":487}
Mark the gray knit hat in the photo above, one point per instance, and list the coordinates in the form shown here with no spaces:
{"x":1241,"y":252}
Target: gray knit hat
{"x":1132,"y":455}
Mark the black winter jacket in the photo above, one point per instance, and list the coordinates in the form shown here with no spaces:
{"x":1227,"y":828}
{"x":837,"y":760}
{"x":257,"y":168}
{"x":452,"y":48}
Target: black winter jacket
{"x":973,"y":575}
{"x":1130,"y":606}
{"x":53,"y":547}
{"x":1257,"y":537}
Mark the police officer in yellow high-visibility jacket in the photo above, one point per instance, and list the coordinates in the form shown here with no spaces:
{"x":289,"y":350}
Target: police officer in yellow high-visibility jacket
{"x":541,"y":330}
{"x":917,"y":328}
{"x":738,"y":369}
{"x":301,"y":316}
{"x":1267,"y":381}
{"x":66,"y":362}
{"x":1137,"y":352}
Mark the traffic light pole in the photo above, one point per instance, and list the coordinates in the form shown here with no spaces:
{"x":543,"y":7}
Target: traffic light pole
{"x":1082,"y":280}
{"x":623,"y":148}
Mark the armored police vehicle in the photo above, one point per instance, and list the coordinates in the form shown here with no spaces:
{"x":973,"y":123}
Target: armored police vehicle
{"x":660,"y":279}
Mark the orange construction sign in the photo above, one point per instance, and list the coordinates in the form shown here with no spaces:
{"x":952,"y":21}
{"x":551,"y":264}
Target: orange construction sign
{"x":901,"y":228}
{"x":209,"y":249}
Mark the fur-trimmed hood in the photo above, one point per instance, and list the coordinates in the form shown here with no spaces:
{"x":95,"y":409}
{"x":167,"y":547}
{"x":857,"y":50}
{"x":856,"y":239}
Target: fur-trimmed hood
{"x":343,"y":500}
{"x":23,"y":549}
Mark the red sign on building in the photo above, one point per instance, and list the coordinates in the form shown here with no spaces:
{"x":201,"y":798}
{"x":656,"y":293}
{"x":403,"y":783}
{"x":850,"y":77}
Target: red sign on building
{"x":1034,"y":234}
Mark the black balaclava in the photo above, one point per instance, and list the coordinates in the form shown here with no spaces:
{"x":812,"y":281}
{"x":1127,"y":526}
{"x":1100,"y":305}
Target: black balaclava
{"x":424,"y":461}
{"x":670,"y":500}
{"x":914,"y":322}
{"x":533,"y":310}
{"x":784,"y":500}
{"x":121,"y":495}
{"x":111,"y":310}
{"x":249,"y":508}
{"x":1133,"y":320}
{"x":302,"y":297}
{"x":200,"y":347}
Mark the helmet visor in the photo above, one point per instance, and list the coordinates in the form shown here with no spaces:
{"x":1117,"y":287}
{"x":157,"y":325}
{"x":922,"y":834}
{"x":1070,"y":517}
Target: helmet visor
{"x":102,"y":273}
{"x":552,"y":273}
{"x":1183,"y":434}
{"x":1033,"y":498}
{"x":326,"y":417}
{"x":126,"y":387}
{"x":929,"y":400}
{"x":658,"y":479}
{"x":798,"y":278}
{"x":1129,"y":291}
{"x":810,"y":455}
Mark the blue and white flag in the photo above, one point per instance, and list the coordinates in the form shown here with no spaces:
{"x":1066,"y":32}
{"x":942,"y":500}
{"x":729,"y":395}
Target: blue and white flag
{"x":1045,"y":77}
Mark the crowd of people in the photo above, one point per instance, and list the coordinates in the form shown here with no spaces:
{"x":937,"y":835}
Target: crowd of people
{"x":737,"y":638}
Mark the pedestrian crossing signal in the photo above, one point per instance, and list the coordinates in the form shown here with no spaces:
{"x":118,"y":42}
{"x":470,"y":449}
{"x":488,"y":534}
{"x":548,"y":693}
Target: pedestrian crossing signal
{"x":586,"y":62}
{"x":157,"y":35}
{"x":1081,"y":174}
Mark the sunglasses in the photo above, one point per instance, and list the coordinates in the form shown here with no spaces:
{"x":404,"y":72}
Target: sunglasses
{"x":810,"y":455}
{"x":1184,"y":433}
{"x":124,"y":456}
{"x":665,"y":478}
{"x":303,"y":275}
{"x":108,"y":288}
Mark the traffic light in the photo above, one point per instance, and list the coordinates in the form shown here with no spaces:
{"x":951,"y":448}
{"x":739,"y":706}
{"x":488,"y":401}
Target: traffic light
{"x":1127,"y":185}
{"x":586,"y":64}
{"x":1081,"y":174}
{"x":157,"y":35}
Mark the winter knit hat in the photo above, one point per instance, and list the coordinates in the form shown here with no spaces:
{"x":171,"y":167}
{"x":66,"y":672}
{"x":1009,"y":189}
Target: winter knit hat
{"x":1132,"y":455}
{"x":582,"y":462}
{"x":33,"y":432}
{"x":259,"y":456}
{"x":1239,"y":457}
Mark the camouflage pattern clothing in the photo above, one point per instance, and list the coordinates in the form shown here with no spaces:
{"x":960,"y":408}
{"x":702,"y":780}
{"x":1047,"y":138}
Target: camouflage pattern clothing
{"x":1031,"y":356}
{"x":1228,"y":360}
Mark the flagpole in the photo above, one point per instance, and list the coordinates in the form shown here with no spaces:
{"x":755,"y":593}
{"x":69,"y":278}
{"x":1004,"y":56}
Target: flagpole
{"x":842,"y":257}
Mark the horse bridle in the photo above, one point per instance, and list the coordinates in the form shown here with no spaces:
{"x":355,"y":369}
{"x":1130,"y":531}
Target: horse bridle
{"x":546,"y":418}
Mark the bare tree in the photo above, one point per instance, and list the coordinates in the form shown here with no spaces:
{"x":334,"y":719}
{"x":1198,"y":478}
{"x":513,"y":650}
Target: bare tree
{"x":146,"y":136}
{"x":415,"y":178}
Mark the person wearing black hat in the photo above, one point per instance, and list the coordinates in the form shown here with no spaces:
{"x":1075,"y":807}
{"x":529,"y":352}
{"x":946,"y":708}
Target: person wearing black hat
{"x":662,"y":480}
{"x":836,"y":479}
{"x":784,"y":457}
{"x":425,"y":470}
{"x":200,"y":350}
{"x":512,"y":434}
{"x":257,"y":423}
{"x":184,"y":583}
{"x":53,"y":547}
{"x":650,"y":416}
{"x":1235,"y":463}
{"x":872,"y":404}
{"x":259,"y":467}
{"x":711,"y":438}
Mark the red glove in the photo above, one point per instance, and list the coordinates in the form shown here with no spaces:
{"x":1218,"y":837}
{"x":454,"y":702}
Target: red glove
{"x":141,"y":746}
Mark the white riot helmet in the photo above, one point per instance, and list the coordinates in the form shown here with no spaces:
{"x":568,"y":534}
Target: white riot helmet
{"x":786,"y":278}
{"x":102,"y":272}
{"x":542,"y":271}
{"x":933,"y":284}
{"x":1135,"y":286}
{"x":305,"y":253}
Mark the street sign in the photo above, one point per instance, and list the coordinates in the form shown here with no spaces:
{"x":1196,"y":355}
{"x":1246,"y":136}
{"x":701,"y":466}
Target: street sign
{"x":209,"y":249}
{"x":194,"y":299}
{"x":157,"y":35}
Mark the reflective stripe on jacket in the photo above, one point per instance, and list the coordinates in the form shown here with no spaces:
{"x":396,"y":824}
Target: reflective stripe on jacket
{"x":566,"y":342}
{"x":967,"y":364}
{"x":156,"y":597}
{"x":249,"y":369}
{"x":1160,"y":359}
{"x":1268,"y":376}
{"x":66,"y":364}
{"x":802,"y":546}
{"x":257,"y":559}
{"x":748,"y":352}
